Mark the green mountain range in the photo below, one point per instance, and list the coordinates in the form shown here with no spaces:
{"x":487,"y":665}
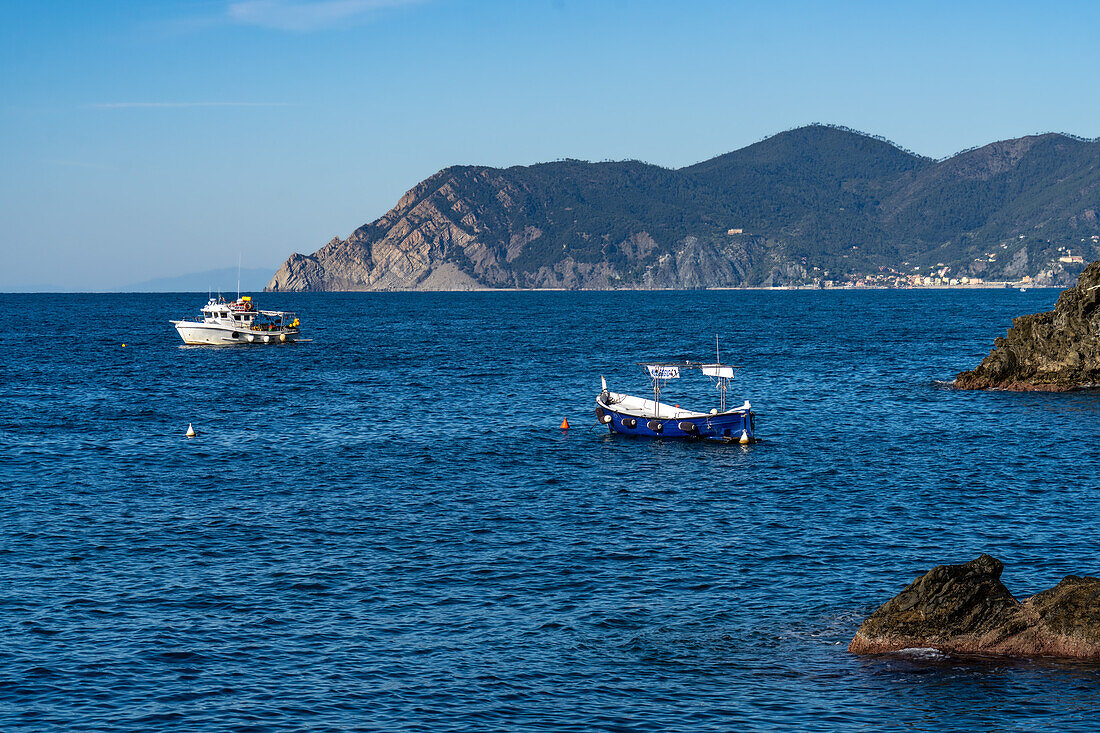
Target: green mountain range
{"x":805,"y":206}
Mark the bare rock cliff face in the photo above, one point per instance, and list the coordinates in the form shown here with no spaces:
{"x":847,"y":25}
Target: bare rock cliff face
{"x":409,"y":248}
{"x":439,"y":237}
{"x":965,"y":609}
{"x":1053,"y":351}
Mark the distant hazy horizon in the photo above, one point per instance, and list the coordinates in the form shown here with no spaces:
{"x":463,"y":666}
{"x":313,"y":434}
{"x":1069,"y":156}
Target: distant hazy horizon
{"x":222,"y":280}
{"x":160,"y":139}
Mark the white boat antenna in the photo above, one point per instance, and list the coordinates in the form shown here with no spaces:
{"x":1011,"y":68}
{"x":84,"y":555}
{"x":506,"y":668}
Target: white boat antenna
{"x":238,"y":276}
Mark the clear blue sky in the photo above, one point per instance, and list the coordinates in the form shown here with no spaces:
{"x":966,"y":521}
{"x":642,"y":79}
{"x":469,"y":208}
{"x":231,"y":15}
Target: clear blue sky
{"x":140,"y":140}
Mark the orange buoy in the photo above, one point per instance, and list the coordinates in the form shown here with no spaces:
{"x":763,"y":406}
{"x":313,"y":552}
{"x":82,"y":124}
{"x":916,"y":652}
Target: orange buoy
{"x":565,"y":424}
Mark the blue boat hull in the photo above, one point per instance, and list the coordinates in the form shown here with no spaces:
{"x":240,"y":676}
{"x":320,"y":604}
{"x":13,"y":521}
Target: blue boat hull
{"x":729,"y":426}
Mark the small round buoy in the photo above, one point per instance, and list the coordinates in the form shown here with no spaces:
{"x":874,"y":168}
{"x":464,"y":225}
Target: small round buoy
{"x":191,"y":431}
{"x":124,"y":346}
{"x":565,"y":424}
{"x":606,"y":419}
{"x":745,"y":439}
{"x":282,"y":337}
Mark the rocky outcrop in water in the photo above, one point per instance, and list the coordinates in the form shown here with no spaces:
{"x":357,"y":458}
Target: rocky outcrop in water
{"x":965,"y":609}
{"x":1056,"y":351}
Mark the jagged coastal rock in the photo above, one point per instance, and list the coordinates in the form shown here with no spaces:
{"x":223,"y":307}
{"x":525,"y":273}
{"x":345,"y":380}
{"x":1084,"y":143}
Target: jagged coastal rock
{"x":471,"y":228}
{"x":965,"y":609}
{"x":1055,"y":351}
{"x":815,"y":205}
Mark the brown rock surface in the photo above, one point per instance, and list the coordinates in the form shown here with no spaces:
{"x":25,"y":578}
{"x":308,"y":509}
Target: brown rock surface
{"x":413,"y":247}
{"x":965,"y":609}
{"x":1053,"y":351}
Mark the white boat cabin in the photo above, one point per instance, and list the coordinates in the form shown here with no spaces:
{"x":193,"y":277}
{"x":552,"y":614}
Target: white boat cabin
{"x":238,"y":313}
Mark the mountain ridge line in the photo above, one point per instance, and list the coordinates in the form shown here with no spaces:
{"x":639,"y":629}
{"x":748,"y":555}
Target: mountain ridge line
{"x":815,"y":205}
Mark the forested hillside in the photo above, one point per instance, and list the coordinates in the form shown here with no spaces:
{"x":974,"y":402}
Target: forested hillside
{"x":810,"y":205}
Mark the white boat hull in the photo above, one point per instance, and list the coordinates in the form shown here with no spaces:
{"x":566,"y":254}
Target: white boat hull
{"x":206,"y":334}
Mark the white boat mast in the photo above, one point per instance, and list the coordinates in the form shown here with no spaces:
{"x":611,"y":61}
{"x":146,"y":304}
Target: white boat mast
{"x":721,"y":382}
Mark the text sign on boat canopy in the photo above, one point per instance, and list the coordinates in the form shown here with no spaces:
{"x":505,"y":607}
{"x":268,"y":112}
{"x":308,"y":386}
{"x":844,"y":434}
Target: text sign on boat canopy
{"x":663,"y":372}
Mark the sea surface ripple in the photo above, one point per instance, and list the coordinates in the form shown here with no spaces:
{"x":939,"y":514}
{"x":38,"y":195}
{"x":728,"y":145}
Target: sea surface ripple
{"x":385,"y":529}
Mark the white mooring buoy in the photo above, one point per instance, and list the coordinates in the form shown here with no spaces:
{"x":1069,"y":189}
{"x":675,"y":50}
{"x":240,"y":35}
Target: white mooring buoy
{"x":745,"y":439}
{"x":191,"y":431}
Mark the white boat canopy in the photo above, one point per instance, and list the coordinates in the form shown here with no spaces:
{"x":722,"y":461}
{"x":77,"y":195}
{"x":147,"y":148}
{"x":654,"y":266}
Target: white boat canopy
{"x":717,"y":370}
{"x":661,"y":372}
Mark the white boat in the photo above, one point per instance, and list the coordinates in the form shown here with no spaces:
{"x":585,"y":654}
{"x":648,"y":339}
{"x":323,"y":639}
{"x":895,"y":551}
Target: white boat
{"x":629,"y":415}
{"x":238,"y":322}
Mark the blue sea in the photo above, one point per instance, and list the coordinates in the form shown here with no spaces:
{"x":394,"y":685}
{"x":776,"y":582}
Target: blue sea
{"x":385,"y":529}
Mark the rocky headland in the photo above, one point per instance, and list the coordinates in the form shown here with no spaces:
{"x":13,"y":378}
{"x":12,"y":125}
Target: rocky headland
{"x":814,"y":206}
{"x":966,"y":609}
{"x":1054,"y":351}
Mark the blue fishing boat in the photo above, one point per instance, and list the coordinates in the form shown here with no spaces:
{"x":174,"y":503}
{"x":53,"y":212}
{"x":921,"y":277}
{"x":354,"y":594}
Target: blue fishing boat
{"x":651,"y":418}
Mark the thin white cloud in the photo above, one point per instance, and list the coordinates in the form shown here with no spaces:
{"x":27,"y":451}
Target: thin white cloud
{"x":181,"y":105}
{"x":81,"y":164}
{"x":306,"y":15}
